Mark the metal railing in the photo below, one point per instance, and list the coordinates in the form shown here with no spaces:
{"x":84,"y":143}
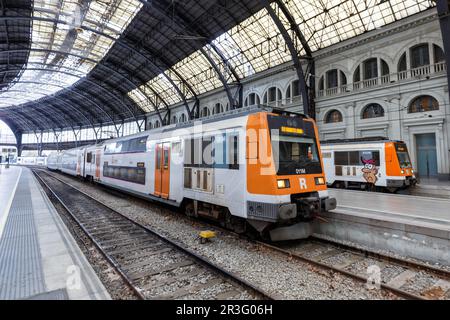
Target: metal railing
{"x":411,"y":74}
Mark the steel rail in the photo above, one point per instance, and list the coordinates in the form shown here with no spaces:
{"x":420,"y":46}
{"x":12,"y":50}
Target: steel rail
{"x":387,"y":258}
{"x":203,"y":261}
{"x":360,"y":278}
{"x":116,"y":267}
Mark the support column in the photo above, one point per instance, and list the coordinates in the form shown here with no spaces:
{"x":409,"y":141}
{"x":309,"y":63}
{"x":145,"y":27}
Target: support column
{"x":431,"y":54}
{"x":443,"y":9}
{"x":378,"y":71}
{"x":361,"y":75}
{"x":339,"y":80}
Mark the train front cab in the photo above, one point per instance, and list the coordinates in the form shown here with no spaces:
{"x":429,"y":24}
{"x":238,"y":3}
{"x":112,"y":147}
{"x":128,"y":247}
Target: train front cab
{"x":286,"y":185}
{"x":399,"y":170}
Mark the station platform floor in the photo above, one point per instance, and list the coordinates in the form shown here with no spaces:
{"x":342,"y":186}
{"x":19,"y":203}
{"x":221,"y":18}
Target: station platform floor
{"x":39,"y":258}
{"x":411,"y":209}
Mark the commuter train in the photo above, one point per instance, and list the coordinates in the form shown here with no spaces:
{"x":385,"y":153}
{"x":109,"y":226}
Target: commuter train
{"x":374,"y":163}
{"x":257,"y":167}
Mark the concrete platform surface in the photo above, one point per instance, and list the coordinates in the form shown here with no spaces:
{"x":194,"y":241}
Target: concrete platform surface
{"x":412,"y":226}
{"x":412,"y":209}
{"x":39,"y":259}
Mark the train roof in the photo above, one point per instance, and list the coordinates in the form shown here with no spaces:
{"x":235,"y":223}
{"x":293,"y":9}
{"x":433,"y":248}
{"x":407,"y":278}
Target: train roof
{"x":359,"y":140}
{"x":234,"y":113}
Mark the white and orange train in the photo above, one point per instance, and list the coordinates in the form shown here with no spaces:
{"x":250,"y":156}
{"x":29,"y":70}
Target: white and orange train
{"x":373,"y":163}
{"x":247,"y":167}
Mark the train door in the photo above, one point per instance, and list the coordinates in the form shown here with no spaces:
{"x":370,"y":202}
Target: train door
{"x":162,"y":170}
{"x":97,"y":164}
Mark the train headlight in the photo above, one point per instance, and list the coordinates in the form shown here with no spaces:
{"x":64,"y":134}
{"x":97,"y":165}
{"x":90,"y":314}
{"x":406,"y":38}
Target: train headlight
{"x":283,"y":183}
{"x":403,"y":171}
{"x":320,"y":180}
{"x":412,"y":171}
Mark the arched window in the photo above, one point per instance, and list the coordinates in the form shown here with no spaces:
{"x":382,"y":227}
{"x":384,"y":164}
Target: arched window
{"x":373,"y":110}
{"x":218,"y":108}
{"x":174,"y":119}
{"x":205,"y":112}
{"x":150,"y":125}
{"x":438,"y":54}
{"x":333,"y":116}
{"x":182,"y":118}
{"x":402,"y":63}
{"x":357,"y":75}
{"x":420,"y":56}
{"x":272,"y":96}
{"x":157,"y":124}
{"x":423,"y":104}
{"x":293,"y":90}
{"x":321,"y":85}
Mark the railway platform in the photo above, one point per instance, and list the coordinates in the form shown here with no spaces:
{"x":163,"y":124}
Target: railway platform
{"x":413,"y":226}
{"x":39,"y":259}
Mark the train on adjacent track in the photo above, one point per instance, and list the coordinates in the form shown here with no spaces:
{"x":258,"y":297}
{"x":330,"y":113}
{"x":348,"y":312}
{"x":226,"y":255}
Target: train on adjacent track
{"x":255,"y":166}
{"x":373,"y":163}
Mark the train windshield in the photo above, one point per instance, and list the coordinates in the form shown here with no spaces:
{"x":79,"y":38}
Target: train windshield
{"x":295,"y":155}
{"x":402,"y":155}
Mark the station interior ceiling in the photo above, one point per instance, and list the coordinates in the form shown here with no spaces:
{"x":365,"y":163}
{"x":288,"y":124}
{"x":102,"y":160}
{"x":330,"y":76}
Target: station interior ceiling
{"x":66,"y":64}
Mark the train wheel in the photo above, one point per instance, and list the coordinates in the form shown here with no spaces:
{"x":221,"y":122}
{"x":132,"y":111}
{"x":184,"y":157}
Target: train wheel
{"x":189,"y":209}
{"x":236,"y":224}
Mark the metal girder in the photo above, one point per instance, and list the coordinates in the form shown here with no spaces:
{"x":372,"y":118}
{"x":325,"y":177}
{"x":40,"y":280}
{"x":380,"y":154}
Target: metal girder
{"x":311,"y":65}
{"x":221,"y":77}
{"x":51,"y":117}
{"x":118,"y":41}
{"x":68,"y":89}
{"x":295,"y":58}
{"x":129,"y":73}
{"x":85,"y":79}
{"x":26,"y":119}
{"x":183,"y":23}
{"x":294,"y":27}
{"x":443,"y":10}
{"x":79,"y":76}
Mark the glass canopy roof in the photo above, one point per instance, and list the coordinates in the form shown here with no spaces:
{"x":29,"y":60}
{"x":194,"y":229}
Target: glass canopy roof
{"x":68,"y":40}
{"x":256,"y":44}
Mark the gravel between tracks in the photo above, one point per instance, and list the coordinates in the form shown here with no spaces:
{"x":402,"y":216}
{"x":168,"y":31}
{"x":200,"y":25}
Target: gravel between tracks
{"x":273,"y":272}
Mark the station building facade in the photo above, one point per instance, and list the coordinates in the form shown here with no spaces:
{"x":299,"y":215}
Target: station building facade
{"x":387,"y":82}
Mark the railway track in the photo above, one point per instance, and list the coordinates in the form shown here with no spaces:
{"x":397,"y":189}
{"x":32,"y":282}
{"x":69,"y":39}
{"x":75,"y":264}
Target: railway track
{"x":405,"y":278}
{"x":153,"y":266}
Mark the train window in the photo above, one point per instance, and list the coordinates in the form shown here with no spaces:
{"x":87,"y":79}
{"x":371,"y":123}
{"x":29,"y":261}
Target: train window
{"x":199,"y":152}
{"x":130,"y":174}
{"x":338,"y":170}
{"x":138,"y":144}
{"x":110,"y":148}
{"x":93,"y":158}
{"x":176,"y":147}
{"x":118,"y":147}
{"x":166,"y":158}
{"x":220,"y":151}
{"x":326,"y":155}
{"x":233,"y":152}
{"x":353,"y":158}
{"x":89,"y":157}
{"x":372,"y":157}
{"x":341,"y":158}
{"x":187,"y":177}
{"x":207,"y":151}
{"x":188,"y":152}
{"x":158,"y":157}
